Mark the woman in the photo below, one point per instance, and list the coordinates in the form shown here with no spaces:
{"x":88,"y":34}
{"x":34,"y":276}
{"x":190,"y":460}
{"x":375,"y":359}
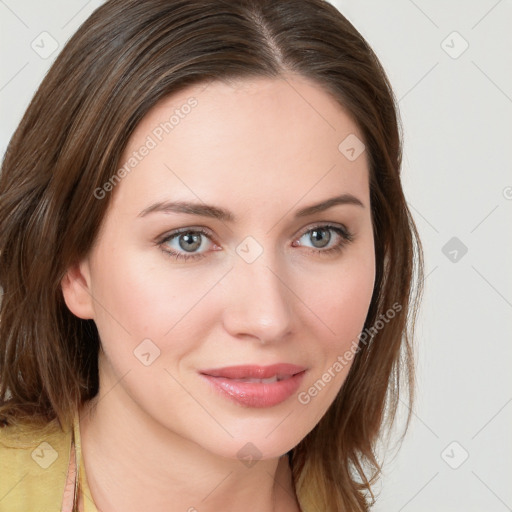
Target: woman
{"x":207,"y":264}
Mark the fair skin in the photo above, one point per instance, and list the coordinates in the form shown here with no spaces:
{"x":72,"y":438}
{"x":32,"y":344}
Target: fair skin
{"x":158,"y":437}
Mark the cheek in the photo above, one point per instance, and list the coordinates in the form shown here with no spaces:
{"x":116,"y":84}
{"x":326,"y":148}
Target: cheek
{"x":342,"y":308}
{"x":342,"y":297}
{"x":138,"y":298}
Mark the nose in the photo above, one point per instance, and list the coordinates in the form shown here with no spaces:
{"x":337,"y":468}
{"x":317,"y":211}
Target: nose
{"x":258,"y":302}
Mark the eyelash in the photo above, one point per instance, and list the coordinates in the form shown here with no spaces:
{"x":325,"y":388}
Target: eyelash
{"x":343,"y":232}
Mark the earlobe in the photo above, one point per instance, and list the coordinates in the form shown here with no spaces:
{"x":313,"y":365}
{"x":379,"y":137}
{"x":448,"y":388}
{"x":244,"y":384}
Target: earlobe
{"x":76,"y":291}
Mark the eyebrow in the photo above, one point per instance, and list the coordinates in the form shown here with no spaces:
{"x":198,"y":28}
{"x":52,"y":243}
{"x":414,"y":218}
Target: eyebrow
{"x":206,"y":210}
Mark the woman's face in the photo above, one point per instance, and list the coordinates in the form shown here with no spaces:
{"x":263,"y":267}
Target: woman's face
{"x":239,"y":234}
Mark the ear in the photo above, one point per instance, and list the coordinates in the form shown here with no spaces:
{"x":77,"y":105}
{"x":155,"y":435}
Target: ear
{"x":76,"y":290}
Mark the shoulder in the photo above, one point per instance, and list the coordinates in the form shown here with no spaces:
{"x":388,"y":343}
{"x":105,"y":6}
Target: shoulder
{"x":33,"y":467}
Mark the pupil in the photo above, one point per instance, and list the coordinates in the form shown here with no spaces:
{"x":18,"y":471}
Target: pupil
{"x":320,"y":237}
{"x":190,"y":241}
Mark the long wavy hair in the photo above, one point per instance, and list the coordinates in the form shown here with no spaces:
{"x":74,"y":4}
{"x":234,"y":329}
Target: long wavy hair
{"x":128,"y":55}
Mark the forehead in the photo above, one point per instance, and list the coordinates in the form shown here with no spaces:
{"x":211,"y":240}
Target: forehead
{"x":247,"y":140}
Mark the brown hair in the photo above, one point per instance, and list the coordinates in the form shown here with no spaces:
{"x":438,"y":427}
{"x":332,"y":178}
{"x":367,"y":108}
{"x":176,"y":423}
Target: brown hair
{"x":126,"y":57}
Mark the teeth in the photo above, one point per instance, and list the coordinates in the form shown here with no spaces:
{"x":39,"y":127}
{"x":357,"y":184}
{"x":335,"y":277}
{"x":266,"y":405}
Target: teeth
{"x":270,"y":380}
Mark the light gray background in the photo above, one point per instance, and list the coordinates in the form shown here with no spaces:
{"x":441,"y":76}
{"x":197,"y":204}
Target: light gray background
{"x":456,"y":108}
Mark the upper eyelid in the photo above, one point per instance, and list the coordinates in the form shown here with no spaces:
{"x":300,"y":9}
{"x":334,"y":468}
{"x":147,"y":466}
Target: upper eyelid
{"x":180,"y":231}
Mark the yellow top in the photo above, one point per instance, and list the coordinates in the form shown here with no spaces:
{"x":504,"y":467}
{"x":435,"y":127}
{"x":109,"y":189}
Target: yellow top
{"x":34,"y":467}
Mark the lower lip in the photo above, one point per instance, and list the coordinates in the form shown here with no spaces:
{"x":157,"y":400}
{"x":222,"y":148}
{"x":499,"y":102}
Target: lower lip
{"x":257,"y":394}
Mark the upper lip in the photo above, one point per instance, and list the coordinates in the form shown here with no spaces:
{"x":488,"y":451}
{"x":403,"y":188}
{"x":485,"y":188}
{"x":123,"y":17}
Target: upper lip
{"x":255,"y":372}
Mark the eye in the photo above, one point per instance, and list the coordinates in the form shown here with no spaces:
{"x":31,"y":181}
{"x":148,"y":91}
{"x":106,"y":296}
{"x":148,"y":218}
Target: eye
{"x":325,"y":238}
{"x":187,"y":243}
{"x":195,"y":243}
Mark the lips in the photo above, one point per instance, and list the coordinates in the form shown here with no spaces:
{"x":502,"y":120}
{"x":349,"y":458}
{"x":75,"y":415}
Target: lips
{"x":256,"y":386}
